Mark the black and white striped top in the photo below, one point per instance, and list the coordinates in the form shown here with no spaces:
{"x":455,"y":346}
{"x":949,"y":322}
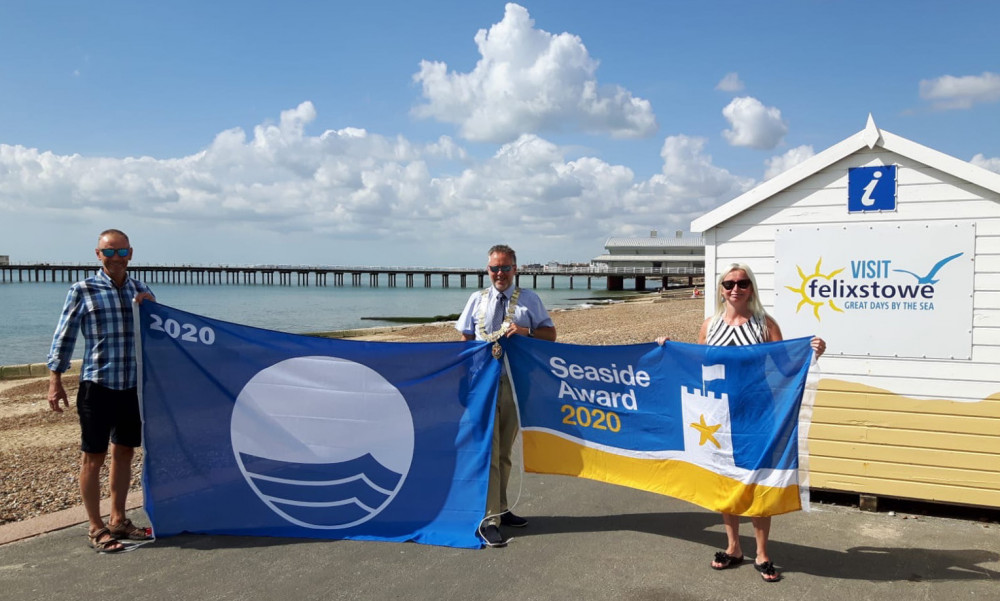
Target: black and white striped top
{"x":721,"y":333}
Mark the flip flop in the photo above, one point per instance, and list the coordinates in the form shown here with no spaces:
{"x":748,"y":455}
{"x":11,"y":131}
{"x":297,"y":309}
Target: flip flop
{"x":727,"y":560}
{"x":767,"y":571}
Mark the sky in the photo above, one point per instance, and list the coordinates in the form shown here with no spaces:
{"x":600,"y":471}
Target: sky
{"x":421,"y":133}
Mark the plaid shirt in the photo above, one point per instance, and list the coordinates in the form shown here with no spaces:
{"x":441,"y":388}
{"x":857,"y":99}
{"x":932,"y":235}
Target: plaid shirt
{"x":104,"y":313}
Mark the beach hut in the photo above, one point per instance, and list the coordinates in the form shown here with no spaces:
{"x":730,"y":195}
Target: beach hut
{"x":889,"y":250}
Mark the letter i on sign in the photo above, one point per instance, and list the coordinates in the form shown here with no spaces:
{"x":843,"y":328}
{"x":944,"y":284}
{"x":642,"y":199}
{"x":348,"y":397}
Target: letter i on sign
{"x":871,"y":189}
{"x":866,"y":198}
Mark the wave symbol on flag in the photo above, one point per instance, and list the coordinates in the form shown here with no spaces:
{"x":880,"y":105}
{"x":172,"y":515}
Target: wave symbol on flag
{"x":324,"y":442}
{"x":323,"y":494}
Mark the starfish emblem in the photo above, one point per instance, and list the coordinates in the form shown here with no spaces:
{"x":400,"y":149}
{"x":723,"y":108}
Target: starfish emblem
{"x":706,"y":432}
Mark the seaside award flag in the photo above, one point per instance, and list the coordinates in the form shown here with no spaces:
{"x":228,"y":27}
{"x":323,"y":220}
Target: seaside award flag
{"x":716,"y":426}
{"x":253,"y":432}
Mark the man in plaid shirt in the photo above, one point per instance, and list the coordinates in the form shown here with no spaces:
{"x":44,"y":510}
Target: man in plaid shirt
{"x":107,"y":403}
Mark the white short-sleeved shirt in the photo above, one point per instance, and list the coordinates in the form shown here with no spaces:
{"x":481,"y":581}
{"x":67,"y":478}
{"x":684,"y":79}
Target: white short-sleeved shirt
{"x":529,"y":312}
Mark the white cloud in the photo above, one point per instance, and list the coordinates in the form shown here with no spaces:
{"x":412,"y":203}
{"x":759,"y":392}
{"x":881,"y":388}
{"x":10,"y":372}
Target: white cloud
{"x":349,"y":194}
{"x":950,"y":92}
{"x":688,"y":186}
{"x":341,"y":181}
{"x":779,"y":164}
{"x":730,"y":83}
{"x":992,"y":164}
{"x":527,"y":81}
{"x":753,"y":124}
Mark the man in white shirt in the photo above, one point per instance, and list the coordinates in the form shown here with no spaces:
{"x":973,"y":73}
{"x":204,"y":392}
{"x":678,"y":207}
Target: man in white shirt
{"x":499,"y":311}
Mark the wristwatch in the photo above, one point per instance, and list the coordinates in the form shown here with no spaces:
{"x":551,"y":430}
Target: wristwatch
{"x":531,"y":332}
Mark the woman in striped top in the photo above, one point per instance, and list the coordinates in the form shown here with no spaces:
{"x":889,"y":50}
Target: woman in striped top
{"x":740,"y":320}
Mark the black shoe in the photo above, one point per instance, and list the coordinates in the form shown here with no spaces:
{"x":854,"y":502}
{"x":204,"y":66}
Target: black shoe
{"x":491,"y":534}
{"x":514,"y":521}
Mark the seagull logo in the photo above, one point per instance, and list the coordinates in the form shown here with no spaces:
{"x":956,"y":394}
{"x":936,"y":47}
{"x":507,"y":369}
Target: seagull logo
{"x":929,"y":278}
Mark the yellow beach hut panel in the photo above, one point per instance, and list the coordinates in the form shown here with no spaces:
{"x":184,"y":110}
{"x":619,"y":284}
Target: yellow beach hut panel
{"x":890,"y":251}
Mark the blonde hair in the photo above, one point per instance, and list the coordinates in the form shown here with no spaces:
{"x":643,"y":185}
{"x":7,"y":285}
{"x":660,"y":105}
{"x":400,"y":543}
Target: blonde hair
{"x":756,"y":307}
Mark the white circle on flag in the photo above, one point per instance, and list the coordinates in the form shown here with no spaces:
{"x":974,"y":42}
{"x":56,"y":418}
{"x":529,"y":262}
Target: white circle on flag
{"x":324,"y":442}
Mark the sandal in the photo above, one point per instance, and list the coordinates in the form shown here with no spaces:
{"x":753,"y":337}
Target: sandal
{"x":727,"y":561}
{"x":129,"y":531}
{"x":103,"y":541}
{"x":767,"y":571}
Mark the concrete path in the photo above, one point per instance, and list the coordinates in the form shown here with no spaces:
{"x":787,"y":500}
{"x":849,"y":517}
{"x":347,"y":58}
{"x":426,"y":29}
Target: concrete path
{"x":586,"y":540}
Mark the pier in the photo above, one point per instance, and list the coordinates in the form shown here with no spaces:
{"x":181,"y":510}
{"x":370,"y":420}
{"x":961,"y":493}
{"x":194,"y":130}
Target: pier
{"x":371,"y":276}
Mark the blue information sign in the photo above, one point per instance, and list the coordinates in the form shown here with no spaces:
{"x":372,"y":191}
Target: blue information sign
{"x":871,"y":189}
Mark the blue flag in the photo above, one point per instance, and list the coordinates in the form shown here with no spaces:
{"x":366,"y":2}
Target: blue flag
{"x":717,"y":426}
{"x":253,"y":432}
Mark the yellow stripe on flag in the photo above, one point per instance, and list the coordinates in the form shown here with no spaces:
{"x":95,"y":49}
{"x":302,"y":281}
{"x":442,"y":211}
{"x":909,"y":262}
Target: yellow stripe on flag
{"x":545,"y":453}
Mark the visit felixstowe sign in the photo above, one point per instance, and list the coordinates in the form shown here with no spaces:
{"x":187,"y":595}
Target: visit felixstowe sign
{"x":882,"y":290}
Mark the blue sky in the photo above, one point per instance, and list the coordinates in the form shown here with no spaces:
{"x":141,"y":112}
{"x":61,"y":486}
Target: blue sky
{"x":421,"y":133}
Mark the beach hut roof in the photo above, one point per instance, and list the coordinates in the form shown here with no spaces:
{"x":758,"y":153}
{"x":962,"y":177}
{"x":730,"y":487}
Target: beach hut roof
{"x":870,"y":137}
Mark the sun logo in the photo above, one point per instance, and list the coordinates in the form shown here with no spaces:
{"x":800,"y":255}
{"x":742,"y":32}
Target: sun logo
{"x":806,"y":299}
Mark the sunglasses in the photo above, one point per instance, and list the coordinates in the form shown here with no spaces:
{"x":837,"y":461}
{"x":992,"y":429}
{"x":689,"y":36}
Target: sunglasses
{"x":499,"y":268}
{"x":728,"y":284}
{"x":110,"y":252}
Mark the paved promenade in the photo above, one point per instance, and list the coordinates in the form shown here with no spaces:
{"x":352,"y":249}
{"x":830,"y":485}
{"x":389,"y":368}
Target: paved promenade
{"x":586,"y":540}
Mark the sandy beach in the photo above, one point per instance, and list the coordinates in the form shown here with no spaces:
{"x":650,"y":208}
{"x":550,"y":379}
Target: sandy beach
{"x":39,"y":449}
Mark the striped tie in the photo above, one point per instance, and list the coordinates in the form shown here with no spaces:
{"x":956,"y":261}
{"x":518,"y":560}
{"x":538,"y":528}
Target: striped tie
{"x":499,"y":312}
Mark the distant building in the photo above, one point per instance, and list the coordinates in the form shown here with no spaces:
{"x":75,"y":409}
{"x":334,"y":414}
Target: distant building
{"x":555,"y":266}
{"x":685,"y":253}
{"x":4,"y":259}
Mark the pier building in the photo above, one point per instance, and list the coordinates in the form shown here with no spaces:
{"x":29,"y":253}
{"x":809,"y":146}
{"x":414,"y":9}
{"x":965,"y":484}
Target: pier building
{"x":686,"y":254}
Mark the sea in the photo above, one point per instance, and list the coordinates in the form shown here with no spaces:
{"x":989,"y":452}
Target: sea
{"x":29,"y":311}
